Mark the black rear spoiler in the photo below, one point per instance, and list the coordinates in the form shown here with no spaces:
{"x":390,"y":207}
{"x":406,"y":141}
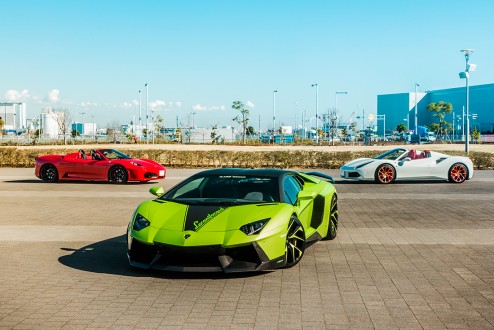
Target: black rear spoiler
{"x":321,"y":175}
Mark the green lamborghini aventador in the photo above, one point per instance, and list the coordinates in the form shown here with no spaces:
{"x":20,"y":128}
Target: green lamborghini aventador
{"x":233,"y":220}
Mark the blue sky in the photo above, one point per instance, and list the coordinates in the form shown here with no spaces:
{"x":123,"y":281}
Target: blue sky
{"x":200,"y":56}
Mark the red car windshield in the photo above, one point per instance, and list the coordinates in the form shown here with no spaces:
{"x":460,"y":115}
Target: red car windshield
{"x":114,"y":154}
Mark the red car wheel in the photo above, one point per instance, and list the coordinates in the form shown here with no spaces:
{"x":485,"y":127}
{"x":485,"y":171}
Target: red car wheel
{"x":49,"y":173}
{"x":118,"y":174}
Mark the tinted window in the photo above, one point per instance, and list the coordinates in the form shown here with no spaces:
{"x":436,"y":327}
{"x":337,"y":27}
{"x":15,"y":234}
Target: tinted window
{"x":186,"y":188}
{"x":291,"y":188}
{"x":242,"y":188}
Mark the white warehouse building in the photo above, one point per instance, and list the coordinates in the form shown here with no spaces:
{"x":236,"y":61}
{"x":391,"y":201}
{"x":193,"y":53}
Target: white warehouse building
{"x":14,"y":116}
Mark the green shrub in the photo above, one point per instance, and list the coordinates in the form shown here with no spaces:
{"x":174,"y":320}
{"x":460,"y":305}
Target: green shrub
{"x":14,"y":157}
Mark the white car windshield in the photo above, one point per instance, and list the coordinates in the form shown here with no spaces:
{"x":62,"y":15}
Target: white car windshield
{"x":392,"y":154}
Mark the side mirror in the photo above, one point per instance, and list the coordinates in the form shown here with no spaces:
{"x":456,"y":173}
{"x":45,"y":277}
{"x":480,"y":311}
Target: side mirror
{"x":157,"y":191}
{"x":407,"y":159}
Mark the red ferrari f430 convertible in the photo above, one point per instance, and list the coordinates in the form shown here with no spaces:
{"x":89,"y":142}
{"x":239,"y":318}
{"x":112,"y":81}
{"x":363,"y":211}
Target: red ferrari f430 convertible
{"x":99,"y":165}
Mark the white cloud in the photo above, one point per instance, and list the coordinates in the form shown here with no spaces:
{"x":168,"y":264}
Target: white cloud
{"x":54,"y":95}
{"x":130,"y":105}
{"x":249,"y":104}
{"x":88,"y":104}
{"x":178,"y":104}
{"x":199,"y":107}
{"x":16,"y":96}
{"x":157,"y":105}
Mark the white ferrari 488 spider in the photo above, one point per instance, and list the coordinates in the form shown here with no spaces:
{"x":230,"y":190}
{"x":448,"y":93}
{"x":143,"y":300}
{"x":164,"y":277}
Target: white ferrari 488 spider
{"x":405,"y":164}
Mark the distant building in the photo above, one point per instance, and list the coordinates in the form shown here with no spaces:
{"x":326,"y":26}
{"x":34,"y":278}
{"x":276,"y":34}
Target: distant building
{"x":397,"y":108}
{"x":49,"y":123}
{"x":14,"y":116}
{"x":203,"y":135}
{"x":84,"y":128}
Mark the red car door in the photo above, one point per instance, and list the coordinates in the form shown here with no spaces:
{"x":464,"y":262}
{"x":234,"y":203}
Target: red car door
{"x":90,"y":169}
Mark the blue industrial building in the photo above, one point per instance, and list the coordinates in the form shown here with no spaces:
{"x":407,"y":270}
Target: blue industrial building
{"x":400,"y":108}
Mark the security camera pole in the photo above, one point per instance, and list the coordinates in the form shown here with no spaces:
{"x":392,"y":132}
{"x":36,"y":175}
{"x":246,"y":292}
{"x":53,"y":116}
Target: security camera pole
{"x":465,"y":75}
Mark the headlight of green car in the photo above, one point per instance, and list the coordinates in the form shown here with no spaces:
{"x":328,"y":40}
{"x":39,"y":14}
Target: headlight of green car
{"x":254,"y":228}
{"x":140,"y":222}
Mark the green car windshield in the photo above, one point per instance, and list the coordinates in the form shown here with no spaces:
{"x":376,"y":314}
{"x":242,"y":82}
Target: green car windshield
{"x":225,"y":189}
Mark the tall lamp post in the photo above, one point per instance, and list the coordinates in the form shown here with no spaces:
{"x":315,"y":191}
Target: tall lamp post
{"x":416,"y":127}
{"x":140,"y":117}
{"x":274,"y":111}
{"x":465,"y":75}
{"x":147,"y":117}
{"x":336,"y":100}
{"x":193,"y":114}
{"x":317,"y":109}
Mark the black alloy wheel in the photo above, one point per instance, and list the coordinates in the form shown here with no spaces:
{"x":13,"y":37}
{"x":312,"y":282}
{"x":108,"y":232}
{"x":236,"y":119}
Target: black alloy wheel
{"x":295,"y":242}
{"x":49,"y":173}
{"x":118,"y":174}
{"x":333,"y":219}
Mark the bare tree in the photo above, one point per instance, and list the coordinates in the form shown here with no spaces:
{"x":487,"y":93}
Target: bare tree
{"x":63,"y":121}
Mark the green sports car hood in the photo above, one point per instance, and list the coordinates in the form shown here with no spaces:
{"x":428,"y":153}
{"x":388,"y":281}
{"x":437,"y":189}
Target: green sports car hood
{"x":205,"y":218}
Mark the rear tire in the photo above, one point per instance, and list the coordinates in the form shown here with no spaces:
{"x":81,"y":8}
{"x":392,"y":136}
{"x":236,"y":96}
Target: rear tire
{"x":458,"y":173}
{"x":295,"y":242}
{"x":385,"y":174}
{"x":118,"y":174}
{"x":333,"y":219}
{"x":49,"y":173}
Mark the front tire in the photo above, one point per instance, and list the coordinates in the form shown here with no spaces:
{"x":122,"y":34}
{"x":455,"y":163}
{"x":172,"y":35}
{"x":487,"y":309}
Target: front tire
{"x":49,"y":173}
{"x":457,"y":173}
{"x":295,"y":242}
{"x":333,"y":219}
{"x":385,"y":174}
{"x":118,"y":174}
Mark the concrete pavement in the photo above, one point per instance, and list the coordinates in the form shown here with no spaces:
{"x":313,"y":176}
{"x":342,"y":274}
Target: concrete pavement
{"x":408,"y":255}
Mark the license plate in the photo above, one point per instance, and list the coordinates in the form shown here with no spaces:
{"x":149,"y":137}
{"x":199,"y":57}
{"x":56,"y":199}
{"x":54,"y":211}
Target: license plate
{"x":162,"y":172}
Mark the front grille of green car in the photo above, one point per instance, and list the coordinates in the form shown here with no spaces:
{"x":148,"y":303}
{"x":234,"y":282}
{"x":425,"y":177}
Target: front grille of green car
{"x":164,"y":256}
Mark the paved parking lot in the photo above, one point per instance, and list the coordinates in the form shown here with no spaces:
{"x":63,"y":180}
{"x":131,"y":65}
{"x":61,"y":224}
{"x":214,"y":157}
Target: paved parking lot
{"x":409,"y":255}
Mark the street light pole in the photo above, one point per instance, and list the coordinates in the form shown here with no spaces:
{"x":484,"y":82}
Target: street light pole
{"x":193,"y":114}
{"x":147,"y":117}
{"x":336,"y":103}
{"x":274,"y":111}
{"x":317,"y":109}
{"x":416,"y":127}
{"x":465,"y":75}
{"x":140,"y":117}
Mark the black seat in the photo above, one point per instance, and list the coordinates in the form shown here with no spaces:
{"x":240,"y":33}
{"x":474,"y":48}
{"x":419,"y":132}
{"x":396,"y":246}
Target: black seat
{"x":82,"y":154}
